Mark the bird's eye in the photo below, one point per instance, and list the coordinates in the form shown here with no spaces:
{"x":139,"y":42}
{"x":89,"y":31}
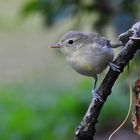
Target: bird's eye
{"x":70,"y":41}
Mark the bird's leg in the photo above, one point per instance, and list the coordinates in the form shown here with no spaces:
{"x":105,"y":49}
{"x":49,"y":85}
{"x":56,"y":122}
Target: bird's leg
{"x":94,"y":93}
{"x":116,"y":45}
{"x":114,"y":67}
{"x":95,"y":82}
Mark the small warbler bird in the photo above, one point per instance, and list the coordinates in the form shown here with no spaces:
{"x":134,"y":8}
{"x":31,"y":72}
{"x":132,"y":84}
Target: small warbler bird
{"x":87,"y":53}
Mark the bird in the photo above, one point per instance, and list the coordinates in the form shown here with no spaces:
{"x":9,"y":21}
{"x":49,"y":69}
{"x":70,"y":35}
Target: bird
{"x":87,"y":53}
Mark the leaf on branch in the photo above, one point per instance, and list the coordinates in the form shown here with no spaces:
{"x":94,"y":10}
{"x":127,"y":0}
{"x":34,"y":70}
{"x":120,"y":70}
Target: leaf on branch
{"x":136,"y":114}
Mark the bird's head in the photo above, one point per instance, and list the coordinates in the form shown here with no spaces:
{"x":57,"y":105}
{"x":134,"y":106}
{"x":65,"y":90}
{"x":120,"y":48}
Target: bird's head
{"x":72,"y":41}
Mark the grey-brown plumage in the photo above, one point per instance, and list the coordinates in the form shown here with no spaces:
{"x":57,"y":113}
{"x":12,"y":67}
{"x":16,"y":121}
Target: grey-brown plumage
{"x":87,"y":53}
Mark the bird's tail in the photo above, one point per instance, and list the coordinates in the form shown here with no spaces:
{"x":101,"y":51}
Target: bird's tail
{"x":116,"y":45}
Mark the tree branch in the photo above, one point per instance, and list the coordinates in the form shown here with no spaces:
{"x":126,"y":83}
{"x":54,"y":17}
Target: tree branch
{"x":131,"y":41}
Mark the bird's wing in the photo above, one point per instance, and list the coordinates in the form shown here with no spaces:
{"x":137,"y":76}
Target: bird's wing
{"x":98,"y":46}
{"x":102,"y":42}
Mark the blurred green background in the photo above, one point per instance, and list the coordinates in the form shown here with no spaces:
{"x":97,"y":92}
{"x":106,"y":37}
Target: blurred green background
{"x":41,"y":97}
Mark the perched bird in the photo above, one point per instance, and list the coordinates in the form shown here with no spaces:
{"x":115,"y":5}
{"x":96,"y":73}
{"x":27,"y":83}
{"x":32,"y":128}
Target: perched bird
{"x":87,"y":53}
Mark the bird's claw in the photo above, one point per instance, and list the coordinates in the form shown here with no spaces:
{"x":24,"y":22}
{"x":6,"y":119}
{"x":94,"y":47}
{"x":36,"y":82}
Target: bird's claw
{"x":96,"y":96}
{"x":114,"y":67}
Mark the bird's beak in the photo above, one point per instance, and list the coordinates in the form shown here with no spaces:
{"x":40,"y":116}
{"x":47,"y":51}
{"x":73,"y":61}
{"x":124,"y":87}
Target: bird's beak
{"x":56,"y":46}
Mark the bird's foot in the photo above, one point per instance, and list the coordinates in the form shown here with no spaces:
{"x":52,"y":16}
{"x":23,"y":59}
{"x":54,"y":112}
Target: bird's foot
{"x":114,"y":67}
{"x":96,"y":96}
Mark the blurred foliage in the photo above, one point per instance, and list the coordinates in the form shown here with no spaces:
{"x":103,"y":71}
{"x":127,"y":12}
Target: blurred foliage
{"x":107,"y":11}
{"x":41,"y":112}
